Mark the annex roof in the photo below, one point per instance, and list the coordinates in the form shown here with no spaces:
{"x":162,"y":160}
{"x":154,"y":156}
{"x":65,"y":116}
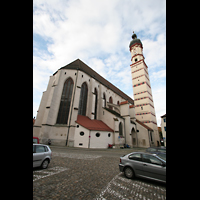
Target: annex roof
{"x":163,"y":116}
{"x":79,"y":65}
{"x":145,"y":126}
{"x":95,"y":125}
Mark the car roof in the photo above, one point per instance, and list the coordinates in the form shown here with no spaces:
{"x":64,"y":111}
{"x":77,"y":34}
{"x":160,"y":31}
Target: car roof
{"x":141,"y":153}
{"x":147,"y":153}
{"x":156,"y":148}
{"x":40,"y":144}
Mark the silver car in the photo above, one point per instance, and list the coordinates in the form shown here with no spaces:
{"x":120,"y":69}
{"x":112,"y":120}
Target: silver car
{"x":42,"y":155}
{"x":143,"y":165}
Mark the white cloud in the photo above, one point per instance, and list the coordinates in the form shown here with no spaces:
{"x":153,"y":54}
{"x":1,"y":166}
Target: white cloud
{"x":98,"y":33}
{"x":159,"y":97}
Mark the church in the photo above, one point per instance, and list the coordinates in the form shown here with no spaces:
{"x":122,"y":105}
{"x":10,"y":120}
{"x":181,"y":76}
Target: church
{"x":82,"y":109}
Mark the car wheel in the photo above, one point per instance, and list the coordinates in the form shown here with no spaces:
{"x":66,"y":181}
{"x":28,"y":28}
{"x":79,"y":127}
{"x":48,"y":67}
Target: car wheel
{"x":45,"y":164}
{"x":128,"y":172}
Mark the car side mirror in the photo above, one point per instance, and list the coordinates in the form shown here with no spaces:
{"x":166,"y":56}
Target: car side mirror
{"x":163,"y":164}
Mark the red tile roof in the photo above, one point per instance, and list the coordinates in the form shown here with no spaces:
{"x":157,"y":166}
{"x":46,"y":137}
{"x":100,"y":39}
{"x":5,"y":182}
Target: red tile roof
{"x":123,"y":102}
{"x":94,"y":124}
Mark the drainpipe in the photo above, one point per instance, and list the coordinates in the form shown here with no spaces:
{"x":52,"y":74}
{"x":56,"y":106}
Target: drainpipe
{"x":72,"y":107}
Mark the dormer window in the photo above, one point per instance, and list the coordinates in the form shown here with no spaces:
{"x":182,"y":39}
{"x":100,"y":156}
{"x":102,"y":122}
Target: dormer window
{"x":135,"y":59}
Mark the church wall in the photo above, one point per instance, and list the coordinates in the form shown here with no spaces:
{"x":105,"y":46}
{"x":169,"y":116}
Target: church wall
{"x":58,"y":133}
{"x":142,"y":136}
{"x":55,"y":104}
{"x":132,"y":112}
{"x":81,"y":141}
{"x":102,"y":141}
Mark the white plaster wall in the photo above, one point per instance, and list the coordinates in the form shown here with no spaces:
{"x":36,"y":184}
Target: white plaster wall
{"x":81,"y":139}
{"x":102,"y":141}
{"x":142,"y":135}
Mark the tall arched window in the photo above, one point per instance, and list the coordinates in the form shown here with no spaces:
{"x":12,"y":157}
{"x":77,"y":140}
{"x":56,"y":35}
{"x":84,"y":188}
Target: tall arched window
{"x":65,"y":102}
{"x":83,"y":99}
{"x":96,"y":101}
{"x":110,"y":101}
{"x":120,"y":129}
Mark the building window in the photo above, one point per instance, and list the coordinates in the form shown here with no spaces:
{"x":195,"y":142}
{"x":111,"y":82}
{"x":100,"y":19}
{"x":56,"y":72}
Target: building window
{"x":165,"y":128}
{"x":136,"y":60}
{"x":108,"y":134}
{"x":141,"y":108}
{"x":82,"y":133}
{"x":164,"y":119}
{"x":65,"y":102}
{"x":97,"y":134}
{"x":120,"y":129}
{"x":83,"y":99}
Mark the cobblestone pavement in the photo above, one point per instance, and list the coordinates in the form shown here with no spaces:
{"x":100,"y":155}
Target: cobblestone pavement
{"x":91,"y":174}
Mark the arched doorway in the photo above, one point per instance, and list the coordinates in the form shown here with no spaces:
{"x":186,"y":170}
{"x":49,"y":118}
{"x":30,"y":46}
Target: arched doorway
{"x":134,"y":137}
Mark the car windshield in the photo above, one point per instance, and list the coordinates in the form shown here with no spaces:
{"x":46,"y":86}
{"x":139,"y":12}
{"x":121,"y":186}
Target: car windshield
{"x":162,"y":156}
{"x":34,"y":140}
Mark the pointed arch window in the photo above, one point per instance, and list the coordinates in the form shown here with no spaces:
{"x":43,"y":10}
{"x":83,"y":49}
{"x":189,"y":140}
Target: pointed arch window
{"x":65,"y":102}
{"x":120,"y":129}
{"x":83,"y":99}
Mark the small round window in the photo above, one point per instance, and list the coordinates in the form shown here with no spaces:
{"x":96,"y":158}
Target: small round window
{"x":81,"y":133}
{"x":108,"y":134}
{"x":97,"y":134}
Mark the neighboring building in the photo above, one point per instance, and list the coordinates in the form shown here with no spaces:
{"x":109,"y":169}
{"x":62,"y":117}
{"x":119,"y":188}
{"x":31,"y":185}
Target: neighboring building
{"x":143,"y":98}
{"x":82,"y":109}
{"x":163,"y":127}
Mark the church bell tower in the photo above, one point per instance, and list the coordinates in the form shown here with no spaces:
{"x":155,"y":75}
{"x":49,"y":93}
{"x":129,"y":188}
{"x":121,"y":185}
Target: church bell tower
{"x":143,"y":98}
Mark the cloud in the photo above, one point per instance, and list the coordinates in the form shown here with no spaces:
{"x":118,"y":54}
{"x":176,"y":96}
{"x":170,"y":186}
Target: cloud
{"x":98,"y":33}
{"x":158,"y":76}
{"x":159,"y":97}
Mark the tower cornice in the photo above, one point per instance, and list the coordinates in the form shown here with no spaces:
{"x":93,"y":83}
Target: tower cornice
{"x":139,"y":54}
{"x":137,"y":43}
{"x":136,"y":63}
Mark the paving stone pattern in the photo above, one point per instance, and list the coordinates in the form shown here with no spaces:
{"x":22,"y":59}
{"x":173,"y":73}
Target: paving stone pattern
{"x":78,"y":174}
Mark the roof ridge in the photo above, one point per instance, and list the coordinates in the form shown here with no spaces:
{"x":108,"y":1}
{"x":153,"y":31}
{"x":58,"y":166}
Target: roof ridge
{"x":80,"y":65}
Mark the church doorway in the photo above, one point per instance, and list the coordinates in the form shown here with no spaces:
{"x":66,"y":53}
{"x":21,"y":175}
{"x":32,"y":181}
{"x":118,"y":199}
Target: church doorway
{"x":134,"y":137}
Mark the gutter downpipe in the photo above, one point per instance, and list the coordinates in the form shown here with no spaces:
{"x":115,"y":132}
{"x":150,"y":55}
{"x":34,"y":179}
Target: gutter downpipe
{"x":72,"y":107}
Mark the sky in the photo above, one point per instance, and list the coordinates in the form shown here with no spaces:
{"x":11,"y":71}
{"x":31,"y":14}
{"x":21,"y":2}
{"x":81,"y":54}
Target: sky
{"x":98,"y":32}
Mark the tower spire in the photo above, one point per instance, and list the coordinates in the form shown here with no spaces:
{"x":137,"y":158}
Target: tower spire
{"x":134,"y":36}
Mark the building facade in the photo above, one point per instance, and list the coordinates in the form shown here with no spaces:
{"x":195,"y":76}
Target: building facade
{"x":143,"y":98}
{"x":163,"y":127}
{"x":82,"y":109}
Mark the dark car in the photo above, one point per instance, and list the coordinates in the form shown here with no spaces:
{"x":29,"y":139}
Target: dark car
{"x":144,"y":165}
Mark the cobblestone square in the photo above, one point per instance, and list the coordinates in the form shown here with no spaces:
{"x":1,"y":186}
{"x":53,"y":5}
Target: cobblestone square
{"x":91,"y":174}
